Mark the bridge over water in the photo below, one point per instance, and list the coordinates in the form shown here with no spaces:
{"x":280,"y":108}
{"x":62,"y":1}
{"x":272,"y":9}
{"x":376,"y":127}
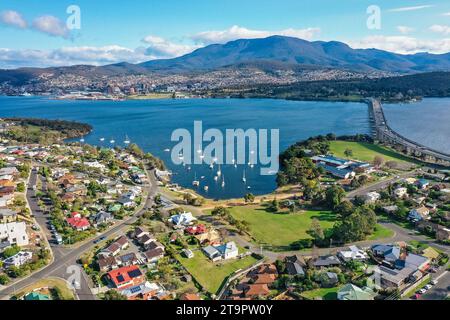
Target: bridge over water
{"x":385,"y":134}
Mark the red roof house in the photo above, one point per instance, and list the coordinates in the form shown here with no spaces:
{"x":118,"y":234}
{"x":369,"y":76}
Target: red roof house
{"x":78,"y":222}
{"x":126,"y":277}
{"x":195,"y":230}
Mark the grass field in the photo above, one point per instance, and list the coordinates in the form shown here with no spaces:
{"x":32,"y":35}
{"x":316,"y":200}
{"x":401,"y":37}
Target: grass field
{"x":66,"y":292}
{"x":381,"y":233}
{"x":280,"y":229}
{"x":366,"y":151}
{"x":324,"y":293}
{"x":211,"y":275}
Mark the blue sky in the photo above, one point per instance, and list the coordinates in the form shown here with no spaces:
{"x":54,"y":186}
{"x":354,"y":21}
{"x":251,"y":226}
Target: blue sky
{"x":34,"y":32}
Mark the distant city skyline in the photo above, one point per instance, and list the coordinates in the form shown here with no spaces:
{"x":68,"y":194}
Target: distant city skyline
{"x":35,"y":33}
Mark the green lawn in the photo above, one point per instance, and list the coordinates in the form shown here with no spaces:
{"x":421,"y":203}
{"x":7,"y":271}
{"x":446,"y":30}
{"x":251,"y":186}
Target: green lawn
{"x":381,"y":233}
{"x":280,"y":229}
{"x":324,"y":293}
{"x":365,"y":151}
{"x":211,"y":275}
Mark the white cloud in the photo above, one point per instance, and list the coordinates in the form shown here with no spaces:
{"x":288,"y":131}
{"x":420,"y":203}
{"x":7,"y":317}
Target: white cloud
{"x":237,"y":32}
{"x":403,"y":9}
{"x":51,"y":26}
{"x":10,"y":58}
{"x":13,"y":18}
{"x":440,"y":29}
{"x":447,"y":14}
{"x":161,"y":48}
{"x":403,"y":44}
{"x":405,"y":29}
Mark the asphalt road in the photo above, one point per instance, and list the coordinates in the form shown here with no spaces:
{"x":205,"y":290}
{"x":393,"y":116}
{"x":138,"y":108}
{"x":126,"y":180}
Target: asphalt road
{"x":67,"y":257}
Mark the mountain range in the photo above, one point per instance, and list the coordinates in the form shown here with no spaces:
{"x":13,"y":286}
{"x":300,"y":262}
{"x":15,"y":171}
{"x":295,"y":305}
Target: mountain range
{"x":269,"y":54}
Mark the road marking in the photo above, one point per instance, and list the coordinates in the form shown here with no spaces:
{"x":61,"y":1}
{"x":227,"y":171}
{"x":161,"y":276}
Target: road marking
{"x":437,"y":279}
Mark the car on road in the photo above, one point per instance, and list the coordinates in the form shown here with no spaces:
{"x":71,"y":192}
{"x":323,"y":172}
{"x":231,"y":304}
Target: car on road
{"x":428,"y":287}
{"x":99,"y":240}
{"x":434,"y":282}
{"x":35,"y":228}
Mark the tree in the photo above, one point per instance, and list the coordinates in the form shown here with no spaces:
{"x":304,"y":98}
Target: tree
{"x":274,"y":206}
{"x":316,"y":231}
{"x":11,"y":251}
{"x":4,"y":279}
{"x":249,"y":198}
{"x":392,"y":164}
{"x":378,"y":161}
{"x":220,"y":212}
{"x":348,"y":152}
{"x":334,"y":196}
{"x":114,"y":295}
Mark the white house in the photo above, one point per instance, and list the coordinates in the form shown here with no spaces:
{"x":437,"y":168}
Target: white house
{"x":18,"y":259}
{"x":353,"y":254}
{"x":222,"y":252}
{"x":14,"y":233}
{"x":401,"y":192}
{"x":372,"y":197}
{"x":182,"y":219}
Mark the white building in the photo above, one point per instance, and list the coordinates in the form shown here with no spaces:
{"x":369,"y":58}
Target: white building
{"x":14,"y":233}
{"x":400,"y":192}
{"x":372,"y":197}
{"x":18,"y":260}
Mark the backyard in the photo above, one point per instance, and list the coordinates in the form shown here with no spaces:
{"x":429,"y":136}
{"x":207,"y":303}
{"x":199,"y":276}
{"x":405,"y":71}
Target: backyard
{"x":281,"y":229}
{"x":211,"y":275}
{"x":323,"y":293}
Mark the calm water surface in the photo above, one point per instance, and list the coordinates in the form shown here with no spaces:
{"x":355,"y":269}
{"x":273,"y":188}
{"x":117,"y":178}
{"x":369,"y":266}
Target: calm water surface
{"x":150,"y":125}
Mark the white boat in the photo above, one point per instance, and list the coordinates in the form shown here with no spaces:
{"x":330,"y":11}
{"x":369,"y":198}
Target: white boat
{"x":112,"y":141}
{"x":219,"y":172}
{"x":195,"y":183}
{"x":216,"y":178}
{"x":167,"y":150}
{"x":249,"y":187}
{"x":82,"y":140}
{"x":235,"y":165}
{"x":127,"y":140}
{"x":102,"y":139}
{"x":223,"y":182}
{"x":211,"y":166}
{"x":206,"y":188}
{"x":252,"y":166}
{"x":244,"y":179}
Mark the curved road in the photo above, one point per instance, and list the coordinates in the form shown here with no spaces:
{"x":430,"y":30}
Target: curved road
{"x":65,"y":257}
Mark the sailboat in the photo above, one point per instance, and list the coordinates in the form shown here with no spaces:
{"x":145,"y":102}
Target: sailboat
{"x":195,"y":183}
{"x":244,"y":179}
{"x":127,"y":140}
{"x":219,"y":172}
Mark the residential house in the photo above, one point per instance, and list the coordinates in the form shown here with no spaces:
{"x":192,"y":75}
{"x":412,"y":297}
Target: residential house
{"x":182,"y":219}
{"x":129,"y":259}
{"x":197,"y":229}
{"x":327,"y":261}
{"x":390,"y":209}
{"x":222,"y":252}
{"x":419,"y":214}
{"x":7,"y":215}
{"x":190,"y":297}
{"x":372,"y":197}
{"x":401,"y":192}
{"x":423,"y":184}
{"x":18,"y":259}
{"x":107,"y":263}
{"x":102,"y":217}
{"x":78,"y":222}
{"x":36,"y":296}
{"x":6,"y":200}
{"x":114,"y":248}
{"x":153,"y":255}
{"x":295,"y":265}
{"x":255,"y":291}
{"x":7,"y":190}
{"x":212,"y":237}
{"x":188,"y":253}
{"x":353,"y":254}
{"x":14,"y":233}
{"x":143,"y":291}
{"x":329,"y":279}
{"x":126,"y":277}
{"x":354,"y":293}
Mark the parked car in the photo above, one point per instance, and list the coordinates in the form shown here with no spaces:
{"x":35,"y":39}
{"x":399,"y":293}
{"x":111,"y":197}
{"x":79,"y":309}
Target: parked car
{"x":99,"y":240}
{"x":422,"y":291}
{"x":434,"y":282}
{"x":428,"y":287}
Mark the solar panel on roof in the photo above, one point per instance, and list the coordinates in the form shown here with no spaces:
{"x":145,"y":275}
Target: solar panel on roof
{"x":120,"y":278}
{"x":135,"y":289}
{"x":134,"y":273}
